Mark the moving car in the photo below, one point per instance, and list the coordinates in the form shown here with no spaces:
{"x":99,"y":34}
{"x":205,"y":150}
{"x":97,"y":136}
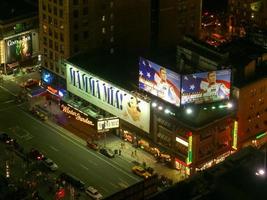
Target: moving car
{"x":140,"y":171}
{"x":92,"y":192}
{"x":107,"y":152}
{"x":72,"y":180}
{"x":6,"y":139}
{"x":36,"y":155}
{"x":50,"y":164}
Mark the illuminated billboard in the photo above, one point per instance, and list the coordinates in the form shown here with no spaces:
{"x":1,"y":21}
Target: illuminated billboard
{"x":19,"y":48}
{"x":159,"y":81}
{"x":109,"y":97}
{"x":206,"y":87}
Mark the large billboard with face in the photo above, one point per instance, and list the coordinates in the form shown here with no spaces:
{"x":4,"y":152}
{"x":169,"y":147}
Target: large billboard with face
{"x":108,"y":97}
{"x":159,"y":81}
{"x":206,"y":87}
{"x":19,"y":48}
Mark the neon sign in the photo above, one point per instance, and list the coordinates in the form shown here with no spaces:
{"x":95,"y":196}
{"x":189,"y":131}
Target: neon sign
{"x":76,"y":114}
{"x":234,"y":132}
{"x":190,"y":153}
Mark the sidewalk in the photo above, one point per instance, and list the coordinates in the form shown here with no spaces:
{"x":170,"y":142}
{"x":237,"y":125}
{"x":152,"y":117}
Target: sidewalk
{"x":128,"y":151}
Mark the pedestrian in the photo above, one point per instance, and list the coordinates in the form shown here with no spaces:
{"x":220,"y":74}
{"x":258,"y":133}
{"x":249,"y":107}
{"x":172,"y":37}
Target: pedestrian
{"x":135,"y":153}
{"x":119,"y":152}
{"x":132,"y":154}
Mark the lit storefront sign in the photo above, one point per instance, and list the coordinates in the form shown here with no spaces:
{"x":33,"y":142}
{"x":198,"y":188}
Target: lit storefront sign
{"x":108,"y":97}
{"x":52,"y":90}
{"x":190,"y":153}
{"x":234,"y":132}
{"x":82,"y":117}
{"x":185,"y":143}
{"x":261,"y":135}
{"x":108,"y":123}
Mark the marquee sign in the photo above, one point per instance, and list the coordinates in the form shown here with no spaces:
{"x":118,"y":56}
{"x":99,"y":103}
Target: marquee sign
{"x":109,"y":97}
{"x":82,"y":117}
{"x":108,"y":123}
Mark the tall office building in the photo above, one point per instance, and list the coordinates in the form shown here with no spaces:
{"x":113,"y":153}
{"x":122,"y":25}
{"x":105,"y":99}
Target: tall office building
{"x":172,"y":19}
{"x":70,"y":26}
{"x":247,"y":13}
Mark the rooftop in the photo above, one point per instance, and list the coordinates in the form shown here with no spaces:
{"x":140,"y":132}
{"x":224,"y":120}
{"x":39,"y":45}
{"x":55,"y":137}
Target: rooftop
{"x":12,"y":10}
{"x":122,"y":70}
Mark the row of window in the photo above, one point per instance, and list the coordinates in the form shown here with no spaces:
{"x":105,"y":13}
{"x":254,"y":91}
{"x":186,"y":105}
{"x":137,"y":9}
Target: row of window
{"x":56,"y":23}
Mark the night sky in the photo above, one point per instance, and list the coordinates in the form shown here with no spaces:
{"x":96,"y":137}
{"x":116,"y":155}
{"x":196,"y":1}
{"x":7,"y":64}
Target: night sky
{"x":214,"y":5}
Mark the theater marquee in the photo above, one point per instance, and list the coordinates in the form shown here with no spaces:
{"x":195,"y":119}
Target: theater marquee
{"x":109,"y":97}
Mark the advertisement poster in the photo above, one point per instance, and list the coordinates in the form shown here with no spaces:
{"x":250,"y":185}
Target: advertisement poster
{"x":206,"y":87}
{"x":119,"y":102}
{"x":159,"y":81}
{"x":19,"y":48}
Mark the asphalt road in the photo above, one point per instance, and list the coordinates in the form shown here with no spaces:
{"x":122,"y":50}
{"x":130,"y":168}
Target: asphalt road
{"x":107,"y":175}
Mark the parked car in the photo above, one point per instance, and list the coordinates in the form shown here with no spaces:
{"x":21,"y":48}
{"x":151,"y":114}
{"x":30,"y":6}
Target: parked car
{"x":140,"y":171}
{"x":36,"y":155}
{"x":72,"y":180}
{"x":50,"y":164}
{"x":92,"y":145}
{"x":107,"y":152}
{"x":29,"y":83}
{"x":92,"y":192}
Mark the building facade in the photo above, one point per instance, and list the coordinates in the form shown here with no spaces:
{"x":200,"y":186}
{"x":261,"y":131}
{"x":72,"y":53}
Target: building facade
{"x":246,"y":14}
{"x":171,"y":19}
{"x":19,"y":40}
{"x":70,"y":26}
{"x":186,"y":143}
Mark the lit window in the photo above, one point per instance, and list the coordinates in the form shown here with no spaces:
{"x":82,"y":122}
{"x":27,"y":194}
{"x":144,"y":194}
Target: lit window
{"x":103,"y":30}
{"x":103,"y":18}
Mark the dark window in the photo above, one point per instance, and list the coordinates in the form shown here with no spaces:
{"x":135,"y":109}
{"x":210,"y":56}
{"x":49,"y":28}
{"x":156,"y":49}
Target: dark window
{"x":75,"y":13}
{"x":75,"y":2}
{"x":76,"y":37}
{"x":85,"y":34}
{"x":85,"y":11}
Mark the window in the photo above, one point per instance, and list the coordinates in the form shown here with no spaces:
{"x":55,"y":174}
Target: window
{"x":61,"y":2}
{"x":50,"y":20}
{"x":55,"y":22}
{"x":61,"y":48}
{"x":112,"y":28}
{"x":55,"y":11}
{"x":85,"y":11}
{"x":76,"y":25}
{"x":56,"y":34}
{"x":76,"y":37}
{"x":103,"y":30}
{"x":56,"y":46}
{"x":61,"y":13}
{"x":75,"y":2}
{"x":111,"y":4}
{"x":103,"y":18}
{"x":44,"y":17}
{"x":45,"y":41}
{"x":51,"y":55}
{"x":49,"y":8}
{"x":50,"y":44}
{"x":50,"y":31}
{"x":112,"y":39}
{"x":44,"y":6}
{"x":75,"y":13}
{"x":44,"y":28}
{"x":85,"y":34}
{"x":61,"y":37}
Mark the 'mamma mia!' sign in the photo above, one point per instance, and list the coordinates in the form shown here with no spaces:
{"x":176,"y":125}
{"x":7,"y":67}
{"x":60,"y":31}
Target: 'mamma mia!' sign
{"x":108,"y":97}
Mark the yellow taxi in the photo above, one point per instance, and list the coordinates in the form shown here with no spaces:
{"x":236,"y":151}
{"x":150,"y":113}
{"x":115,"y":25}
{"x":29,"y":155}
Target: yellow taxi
{"x":140,"y":171}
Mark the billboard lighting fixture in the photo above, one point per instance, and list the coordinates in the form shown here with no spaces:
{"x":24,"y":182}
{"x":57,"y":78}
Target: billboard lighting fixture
{"x":229,"y":105}
{"x":221,"y":106}
{"x":205,"y":108}
{"x":154,"y":104}
{"x":167,"y":111}
{"x":213,"y":107}
{"x":160,"y":107}
{"x":189,"y":111}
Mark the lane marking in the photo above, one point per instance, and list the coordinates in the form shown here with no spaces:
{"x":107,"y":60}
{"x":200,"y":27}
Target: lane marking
{"x":54,"y":148}
{"x":84,"y":167}
{"x":7,"y":90}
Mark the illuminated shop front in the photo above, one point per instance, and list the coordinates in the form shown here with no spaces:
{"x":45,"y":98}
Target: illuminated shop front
{"x":54,"y":85}
{"x":86,"y":120}
{"x":110,"y":99}
{"x":18,"y":50}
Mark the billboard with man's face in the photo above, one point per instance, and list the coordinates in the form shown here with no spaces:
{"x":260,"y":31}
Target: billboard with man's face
{"x":19,"y":48}
{"x":159,"y":81}
{"x":206,"y":87}
{"x":109,"y":97}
